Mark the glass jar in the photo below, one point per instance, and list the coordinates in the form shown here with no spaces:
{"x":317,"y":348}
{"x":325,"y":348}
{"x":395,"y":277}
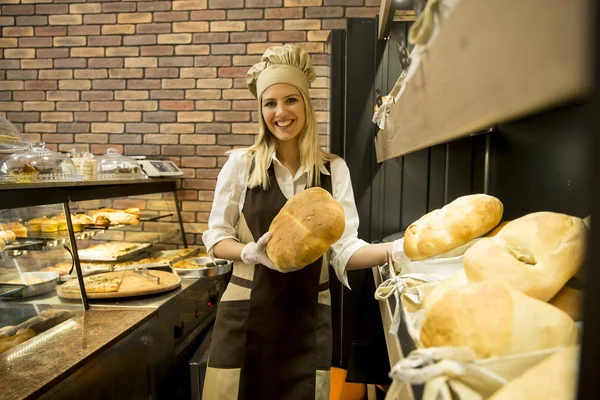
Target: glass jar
{"x":113,"y":165}
{"x":38,"y":164}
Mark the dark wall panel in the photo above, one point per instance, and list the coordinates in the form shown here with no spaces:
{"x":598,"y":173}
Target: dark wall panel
{"x":539,"y":163}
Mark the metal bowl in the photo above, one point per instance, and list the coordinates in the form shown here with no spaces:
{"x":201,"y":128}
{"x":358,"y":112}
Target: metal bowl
{"x":48,"y":283}
{"x":211,"y":269}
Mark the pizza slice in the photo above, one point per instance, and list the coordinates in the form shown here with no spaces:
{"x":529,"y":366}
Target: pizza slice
{"x":102,"y":283}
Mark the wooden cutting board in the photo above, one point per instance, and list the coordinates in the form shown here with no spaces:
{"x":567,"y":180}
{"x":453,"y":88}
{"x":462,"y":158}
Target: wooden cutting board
{"x":132,"y":284}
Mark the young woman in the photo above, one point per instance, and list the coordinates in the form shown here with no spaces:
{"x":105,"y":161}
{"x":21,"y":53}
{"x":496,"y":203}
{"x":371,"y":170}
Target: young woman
{"x":272,"y":336}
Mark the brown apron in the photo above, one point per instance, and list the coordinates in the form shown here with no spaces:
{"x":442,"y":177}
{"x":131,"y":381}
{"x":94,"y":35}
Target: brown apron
{"x":272,"y":336}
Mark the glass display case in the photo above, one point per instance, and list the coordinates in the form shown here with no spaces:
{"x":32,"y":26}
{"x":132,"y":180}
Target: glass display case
{"x":72,"y":253}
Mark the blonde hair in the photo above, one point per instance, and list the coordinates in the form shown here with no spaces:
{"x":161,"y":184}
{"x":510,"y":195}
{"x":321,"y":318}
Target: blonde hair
{"x":312,"y":157}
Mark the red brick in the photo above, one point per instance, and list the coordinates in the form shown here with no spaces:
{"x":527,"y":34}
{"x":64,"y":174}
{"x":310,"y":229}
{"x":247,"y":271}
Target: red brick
{"x":126,"y":116}
{"x":74,"y":127}
{"x":23,"y":96}
{"x":14,"y":106}
{"x":362,"y":12}
{"x":213,"y":128}
{"x":334,"y":23}
{"x":62,"y":95}
{"x":91,"y":138}
{"x":235,"y":140}
{"x":245,"y":105}
{"x":106,"y":63}
{"x":167,"y":94}
{"x":217,"y":37}
{"x":324,"y":12}
{"x":248,"y":37}
{"x":51,"y":9}
{"x":119,"y":7}
{"x":53,"y":53}
{"x":71,"y":63}
{"x":37,"y":20}
{"x":208,"y":94}
{"x":283,"y":13}
{"x":19,"y":74}
{"x":212,"y":15}
{"x":106,"y":106}
{"x":108,"y":84}
{"x":101,"y":148}
{"x":147,"y":150}
{"x":18,"y":10}
{"x":90,"y":95}
{"x":244,"y":14}
{"x":160,"y":116}
{"x":272,"y":25}
{"x":212,"y":61}
{"x":141,"y":128}
{"x":199,"y":162}
{"x":100,"y":19}
{"x":41,"y":85}
{"x":228,"y":49}
{"x":40,"y":127}
{"x":104,"y":41}
{"x":174,"y":61}
{"x":34,"y":42}
{"x":155,"y":6}
{"x":343,"y":2}
{"x":246,"y":60}
{"x":23,"y":116}
{"x":232,"y":116}
{"x":95,"y":116}
{"x":263,"y":3}
{"x":213,"y":105}
{"x":84,"y":30}
{"x":143,"y":84}
{"x":154,"y":28}
{"x":162,"y":72}
{"x":171,"y":16}
{"x":125,"y":139}
{"x":177,"y":105}
{"x":50,"y":31}
{"x":212,"y":150}
{"x":57,"y":138}
{"x":72,"y":106}
{"x":157,"y":51}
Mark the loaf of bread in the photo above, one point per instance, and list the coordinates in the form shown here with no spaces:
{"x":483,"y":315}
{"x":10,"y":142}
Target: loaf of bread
{"x":303,"y":230}
{"x":455,"y":224}
{"x":495,"y":320}
{"x":570,"y":301}
{"x":2,"y":245}
{"x":555,"y":378}
{"x":535,"y":254}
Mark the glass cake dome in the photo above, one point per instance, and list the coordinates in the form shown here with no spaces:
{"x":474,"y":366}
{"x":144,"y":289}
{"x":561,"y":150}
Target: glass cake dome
{"x":113,"y":165}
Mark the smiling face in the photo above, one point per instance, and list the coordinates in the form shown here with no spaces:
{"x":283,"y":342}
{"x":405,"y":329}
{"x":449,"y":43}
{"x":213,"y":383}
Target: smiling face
{"x":283,"y":111}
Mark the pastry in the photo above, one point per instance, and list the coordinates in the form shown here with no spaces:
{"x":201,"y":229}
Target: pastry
{"x":62,"y":223}
{"x":7,"y":236}
{"x":17,"y":228}
{"x":49,"y":226}
{"x":34,"y":225}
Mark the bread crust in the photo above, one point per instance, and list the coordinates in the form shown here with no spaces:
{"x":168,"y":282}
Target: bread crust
{"x":535,"y":254}
{"x":303,"y":230}
{"x":495,"y":320}
{"x":457,"y":223}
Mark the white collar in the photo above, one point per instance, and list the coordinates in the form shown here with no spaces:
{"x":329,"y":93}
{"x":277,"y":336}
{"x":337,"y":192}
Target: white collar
{"x":301,"y":170}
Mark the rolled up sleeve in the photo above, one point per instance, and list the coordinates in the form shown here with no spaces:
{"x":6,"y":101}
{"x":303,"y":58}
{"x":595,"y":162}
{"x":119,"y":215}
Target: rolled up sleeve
{"x":343,"y":249}
{"x":225,"y":212}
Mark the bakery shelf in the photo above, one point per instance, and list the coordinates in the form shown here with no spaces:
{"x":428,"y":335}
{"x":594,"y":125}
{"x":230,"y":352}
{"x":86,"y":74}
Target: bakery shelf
{"x":492,"y":61}
{"x":155,"y":218}
{"x":390,"y":11}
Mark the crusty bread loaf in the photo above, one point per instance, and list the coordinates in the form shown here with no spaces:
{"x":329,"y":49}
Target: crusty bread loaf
{"x":570,"y":301}
{"x":497,"y":229}
{"x":455,"y":224}
{"x":495,"y":320}
{"x":455,"y":280}
{"x":555,"y":378}
{"x":303,"y":230}
{"x":535,"y":254}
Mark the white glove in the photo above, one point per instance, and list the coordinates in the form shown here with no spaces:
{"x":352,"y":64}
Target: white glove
{"x":254,"y":253}
{"x":398,"y":250}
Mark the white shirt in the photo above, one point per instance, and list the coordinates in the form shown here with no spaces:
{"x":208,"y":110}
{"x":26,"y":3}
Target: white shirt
{"x":230,"y":194}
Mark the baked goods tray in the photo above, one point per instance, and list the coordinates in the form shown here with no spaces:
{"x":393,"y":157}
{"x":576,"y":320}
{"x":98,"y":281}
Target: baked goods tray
{"x":160,"y":259}
{"x":205,"y":267}
{"x":103,"y":252}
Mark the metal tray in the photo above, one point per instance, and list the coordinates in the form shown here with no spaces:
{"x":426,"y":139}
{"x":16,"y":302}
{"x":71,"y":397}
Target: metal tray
{"x":121,"y":257}
{"x":47,"y":285}
{"x":210,"y":270}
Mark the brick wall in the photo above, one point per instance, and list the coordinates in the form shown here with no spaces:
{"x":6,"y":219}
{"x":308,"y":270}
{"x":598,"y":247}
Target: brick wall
{"x":155,"y":77}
